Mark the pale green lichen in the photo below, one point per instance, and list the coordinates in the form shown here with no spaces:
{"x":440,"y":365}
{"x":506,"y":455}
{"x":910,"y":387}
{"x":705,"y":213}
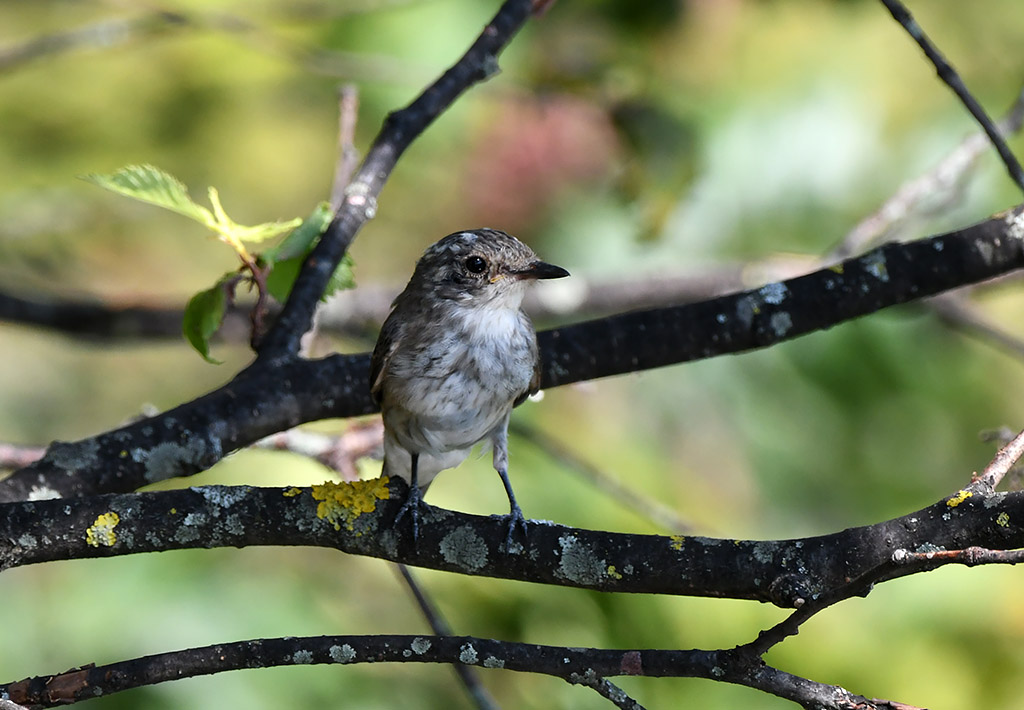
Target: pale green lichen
{"x":874,"y":264}
{"x":420,"y":645}
{"x":222,"y":496}
{"x":464,"y":548}
{"x":169,"y":459}
{"x":579,"y":563}
{"x":342,"y":654}
{"x":468,"y":654}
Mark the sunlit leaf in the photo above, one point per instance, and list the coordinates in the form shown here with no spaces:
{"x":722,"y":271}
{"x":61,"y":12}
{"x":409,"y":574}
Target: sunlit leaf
{"x":301,"y":241}
{"x":152,"y":185}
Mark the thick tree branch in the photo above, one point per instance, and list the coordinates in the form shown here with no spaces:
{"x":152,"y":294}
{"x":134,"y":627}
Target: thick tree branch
{"x":271,"y":397}
{"x":787,"y":573}
{"x":359,"y":313}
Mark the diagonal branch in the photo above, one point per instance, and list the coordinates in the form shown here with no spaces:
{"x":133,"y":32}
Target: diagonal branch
{"x":360,"y":202}
{"x":271,"y":397}
{"x":949,"y":75}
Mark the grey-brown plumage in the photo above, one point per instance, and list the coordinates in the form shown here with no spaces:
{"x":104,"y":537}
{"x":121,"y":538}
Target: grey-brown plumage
{"x":455,"y":355}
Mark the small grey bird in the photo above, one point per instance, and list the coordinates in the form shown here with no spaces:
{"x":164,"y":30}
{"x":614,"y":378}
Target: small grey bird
{"x":455,"y":355}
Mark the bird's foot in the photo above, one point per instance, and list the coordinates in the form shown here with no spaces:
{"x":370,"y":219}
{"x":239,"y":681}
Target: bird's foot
{"x":411,"y":506}
{"x":515,"y":520}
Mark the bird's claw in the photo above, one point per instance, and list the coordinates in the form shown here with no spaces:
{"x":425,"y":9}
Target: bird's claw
{"x":411,"y":506}
{"x":515,"y":520}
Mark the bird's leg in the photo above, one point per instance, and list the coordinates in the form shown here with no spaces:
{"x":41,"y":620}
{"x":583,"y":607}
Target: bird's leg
{"x":412,"y":501}
{"x":515,"y":515}
{"x":499,"y":441}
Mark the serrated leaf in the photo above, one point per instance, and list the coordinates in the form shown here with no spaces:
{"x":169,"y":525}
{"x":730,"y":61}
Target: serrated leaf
{"x":203,"y":317}
{"x":150,"y":184}
{"x":342,"y":278}
{"x":301,"y":241}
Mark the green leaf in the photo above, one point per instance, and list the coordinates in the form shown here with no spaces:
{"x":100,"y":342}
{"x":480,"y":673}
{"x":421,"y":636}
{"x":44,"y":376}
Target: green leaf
{"x":203,"y":317}
{"x":301,"y":241}
{"x":152,"y":185}
{"x":282,"y":277}
{"x":284,"y":273}
{"x":341,"y":279}
{"x":286,"y":258}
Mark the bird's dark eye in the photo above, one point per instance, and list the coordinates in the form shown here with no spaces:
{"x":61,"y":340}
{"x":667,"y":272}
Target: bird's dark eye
{"x":475,"y":264}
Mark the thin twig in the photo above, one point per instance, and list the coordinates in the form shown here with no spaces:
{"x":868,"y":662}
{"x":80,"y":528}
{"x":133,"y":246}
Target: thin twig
{"x":340,"y":452}
{"x":953,"y":80}
{"x":348,"y":156}
{"x":18,"y":455}
{"x":649,"y":509}
{"x":1000,"y":465}
{"x":970,"y":556}
{"x":956,"y":311}
{"x":935,"y":190}
{"x":606,"y":689}
{"x":467,"y":676}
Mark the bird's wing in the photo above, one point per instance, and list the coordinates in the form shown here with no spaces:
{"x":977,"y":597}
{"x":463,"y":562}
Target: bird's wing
{"x":387,"y":342}
{"x":534,"y":383}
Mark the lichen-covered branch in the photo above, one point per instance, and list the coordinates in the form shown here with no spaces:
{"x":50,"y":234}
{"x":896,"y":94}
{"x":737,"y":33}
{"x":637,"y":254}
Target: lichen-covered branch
{"x":584,"y":666}
{"x":356,"y":518}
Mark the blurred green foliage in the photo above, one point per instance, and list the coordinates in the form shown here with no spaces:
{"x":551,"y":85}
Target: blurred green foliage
{"x":617,"y":142}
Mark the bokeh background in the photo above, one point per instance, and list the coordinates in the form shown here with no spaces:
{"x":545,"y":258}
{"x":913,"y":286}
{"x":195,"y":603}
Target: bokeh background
{"x":621,"y":140}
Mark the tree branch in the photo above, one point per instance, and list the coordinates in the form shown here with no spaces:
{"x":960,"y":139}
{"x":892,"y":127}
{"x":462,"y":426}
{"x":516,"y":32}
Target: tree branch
{"x":787,"y":573}
{"x":585,"y":666}
{"x":360,"y":203}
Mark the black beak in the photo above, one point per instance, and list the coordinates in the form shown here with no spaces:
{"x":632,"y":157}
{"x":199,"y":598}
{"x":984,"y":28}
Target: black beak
{"x":542,"y":270}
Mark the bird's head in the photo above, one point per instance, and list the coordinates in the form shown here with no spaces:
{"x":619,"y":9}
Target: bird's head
{"x":485,"y":267}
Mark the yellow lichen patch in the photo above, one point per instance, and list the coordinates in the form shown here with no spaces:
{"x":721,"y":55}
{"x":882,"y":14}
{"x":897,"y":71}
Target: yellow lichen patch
{"x":959,"y":498}
{"x":292,"y":492}
{"x":347,"y":501}
{"x":613,"y":573}
{"x":101,"y":533}
{"x":1002,"y":520}
{"x":677,"y":542}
